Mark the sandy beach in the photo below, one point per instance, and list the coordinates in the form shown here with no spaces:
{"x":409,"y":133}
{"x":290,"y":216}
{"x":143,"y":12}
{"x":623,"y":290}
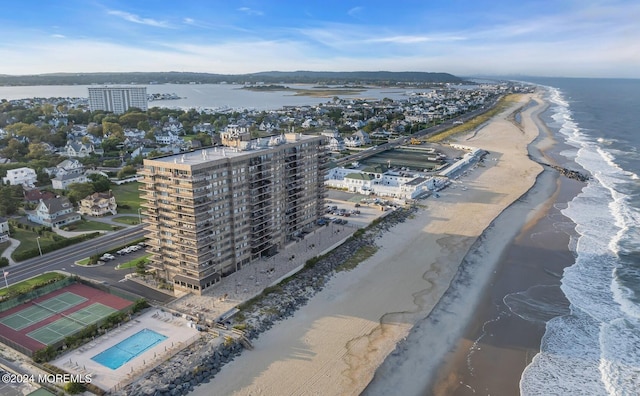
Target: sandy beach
{"x":336,"y":343}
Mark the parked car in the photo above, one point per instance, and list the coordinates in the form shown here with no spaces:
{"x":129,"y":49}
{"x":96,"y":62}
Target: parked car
{"x":107,"y":257}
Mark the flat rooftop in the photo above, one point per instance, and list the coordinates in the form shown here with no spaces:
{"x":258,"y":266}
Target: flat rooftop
{"x":214,"y":153}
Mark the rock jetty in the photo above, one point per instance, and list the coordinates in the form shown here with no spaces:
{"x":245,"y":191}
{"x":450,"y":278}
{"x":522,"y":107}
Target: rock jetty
{"x":201,"y":361}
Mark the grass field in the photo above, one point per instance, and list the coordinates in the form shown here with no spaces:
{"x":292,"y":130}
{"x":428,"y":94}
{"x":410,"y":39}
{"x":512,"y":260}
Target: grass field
{"x":28,"y":239}
{"x":134,"y":263}
{"x":129,"y":220}
{"x":30,"y":283}
{"x":127,"y":197}
{"x":88,"y":225}
{"x":475,"y":122}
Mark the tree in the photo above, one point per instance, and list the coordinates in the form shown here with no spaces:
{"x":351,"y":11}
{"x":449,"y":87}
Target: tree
{"x":127,"y":170}
{"x":95,"y":130}
{"x":29,"y":131}
{"x":131,"y":119}
{"x":110,"y":144}
{"x":112,"y":129}
{"x":47,"y":109}
{"x":10,"y":197}
{"x":78,"y":191}
{"x":100,"y":183}
{"x":144,"y":126}
{"x":203,"y":138}
{"x":36,"y":150}
{"x":14,"y":150}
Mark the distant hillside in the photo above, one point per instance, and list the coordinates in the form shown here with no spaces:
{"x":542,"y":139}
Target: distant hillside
{"x":310,"y":77}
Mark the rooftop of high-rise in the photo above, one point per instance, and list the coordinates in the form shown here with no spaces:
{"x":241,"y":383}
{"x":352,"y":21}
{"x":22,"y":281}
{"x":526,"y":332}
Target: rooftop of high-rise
{"x":248,"y":148}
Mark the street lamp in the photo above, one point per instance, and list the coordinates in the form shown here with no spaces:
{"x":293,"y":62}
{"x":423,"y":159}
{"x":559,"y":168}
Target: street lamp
{"x":39,"y":248}
{"x":139,"y":216}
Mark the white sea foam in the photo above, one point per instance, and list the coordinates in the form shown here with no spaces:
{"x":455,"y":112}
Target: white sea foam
{"x":595,"y":349}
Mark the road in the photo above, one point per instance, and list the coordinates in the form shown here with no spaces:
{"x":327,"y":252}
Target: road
{"x":63,"y":259}
{"x":423,"y":132}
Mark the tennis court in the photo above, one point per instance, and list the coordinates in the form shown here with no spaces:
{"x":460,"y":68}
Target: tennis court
{"x":41,"y":311}
{"x":70,"y":324}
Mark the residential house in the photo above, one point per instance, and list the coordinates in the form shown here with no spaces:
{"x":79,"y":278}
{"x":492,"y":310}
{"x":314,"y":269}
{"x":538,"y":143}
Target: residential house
{"x":25,"y":176}
{"x":62,"y":182}
{"x":68,"y":166}
{"x":335,"y":142}
{"x":167,"y":137}
{"x":98,"y":204}
{"x":4,"y":229}
{"x":34,"y":195}
{"x":77,"y":149}
{"x":359,"y":138}
{"x":56,"y":212}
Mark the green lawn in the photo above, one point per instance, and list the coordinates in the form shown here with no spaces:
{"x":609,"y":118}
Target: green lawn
{"x":127,"y":197}
{"x":88,"y":225}
{"x":129,"y":220}
{"x":133,"y":263}
{"x":28,"y":239}
{"x":28,"y":284}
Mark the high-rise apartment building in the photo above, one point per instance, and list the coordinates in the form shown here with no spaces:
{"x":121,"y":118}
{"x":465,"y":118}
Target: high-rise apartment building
{"x":117,"y":99}
{"x":210,"y":212}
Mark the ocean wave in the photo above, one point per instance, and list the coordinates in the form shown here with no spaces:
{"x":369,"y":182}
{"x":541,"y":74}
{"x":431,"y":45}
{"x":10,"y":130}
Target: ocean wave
{"x":595,"y":348}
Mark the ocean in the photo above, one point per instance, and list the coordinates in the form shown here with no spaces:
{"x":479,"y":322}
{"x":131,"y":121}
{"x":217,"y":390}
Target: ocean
{"x":595,"y":349}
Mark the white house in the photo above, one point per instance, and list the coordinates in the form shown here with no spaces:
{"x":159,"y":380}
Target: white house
{"x":66,"y":167}
{"x":359,"y":138}
{"x":54,"y":212}
{"x":62,"y":182}
{"x":77,"y":149}
{"x":4,"y":229}
{"x":25,"y":176}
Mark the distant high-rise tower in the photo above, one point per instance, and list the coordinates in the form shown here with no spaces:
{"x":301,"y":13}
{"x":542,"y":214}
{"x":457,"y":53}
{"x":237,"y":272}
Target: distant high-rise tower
{"x":212,"y":211}
{"x":117,"y":99}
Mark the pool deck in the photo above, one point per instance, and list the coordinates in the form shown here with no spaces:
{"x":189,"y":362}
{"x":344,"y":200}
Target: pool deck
{"x":176,"y":329}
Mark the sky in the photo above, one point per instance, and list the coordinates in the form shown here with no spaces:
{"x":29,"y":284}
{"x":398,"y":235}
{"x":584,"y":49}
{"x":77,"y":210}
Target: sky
{"x":563,"y":38}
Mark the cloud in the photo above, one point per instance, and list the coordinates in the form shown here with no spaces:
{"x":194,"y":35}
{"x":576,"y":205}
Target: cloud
{"x":60,"y":36}
{"x":250,"y":11}
{"x":414,"y":39}
{"x":355,"y":11}
{"x":127,"y":16}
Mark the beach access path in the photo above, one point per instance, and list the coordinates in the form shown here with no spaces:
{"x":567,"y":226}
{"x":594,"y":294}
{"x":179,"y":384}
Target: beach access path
{"x":335,"y":343}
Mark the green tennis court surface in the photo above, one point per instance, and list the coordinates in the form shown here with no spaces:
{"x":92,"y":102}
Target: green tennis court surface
{"x":42,"y":310}
{"x":70,"y":324}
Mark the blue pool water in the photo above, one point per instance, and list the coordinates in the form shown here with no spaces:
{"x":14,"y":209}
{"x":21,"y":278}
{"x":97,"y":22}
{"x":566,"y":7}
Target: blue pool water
{"x":128,"y":349}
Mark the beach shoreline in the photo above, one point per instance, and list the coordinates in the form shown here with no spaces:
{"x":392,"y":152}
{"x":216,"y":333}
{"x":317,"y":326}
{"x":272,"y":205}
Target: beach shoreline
{"x":343,"y":335}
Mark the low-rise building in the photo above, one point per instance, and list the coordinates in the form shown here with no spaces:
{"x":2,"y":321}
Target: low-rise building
{"x":98,"y":204}
{"x":54,"y":212}
{"x":25,"y":176}
{"x":4,"y":229}
{"x":62,"y":182}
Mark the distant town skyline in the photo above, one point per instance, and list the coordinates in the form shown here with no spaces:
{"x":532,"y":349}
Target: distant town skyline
{"x":565,"y":38}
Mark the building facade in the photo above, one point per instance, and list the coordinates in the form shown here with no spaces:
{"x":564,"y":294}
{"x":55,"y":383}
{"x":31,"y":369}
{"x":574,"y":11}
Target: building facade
{"x":4,"y":229}
{"x":54,"y":212}
{"x":98,"y":204}
{"x":25,"y":176}
{"x":117,"y":99}
{"x":210,"y":212}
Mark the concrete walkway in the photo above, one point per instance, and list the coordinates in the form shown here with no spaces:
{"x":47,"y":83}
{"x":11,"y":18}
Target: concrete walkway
{"x":9,"y":251}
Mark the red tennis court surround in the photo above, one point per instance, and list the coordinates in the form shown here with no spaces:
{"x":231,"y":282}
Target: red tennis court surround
{"x":91,"y":294}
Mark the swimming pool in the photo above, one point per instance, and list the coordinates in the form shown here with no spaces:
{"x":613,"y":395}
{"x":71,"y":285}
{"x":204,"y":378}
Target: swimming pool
{"x":128,"y":349}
